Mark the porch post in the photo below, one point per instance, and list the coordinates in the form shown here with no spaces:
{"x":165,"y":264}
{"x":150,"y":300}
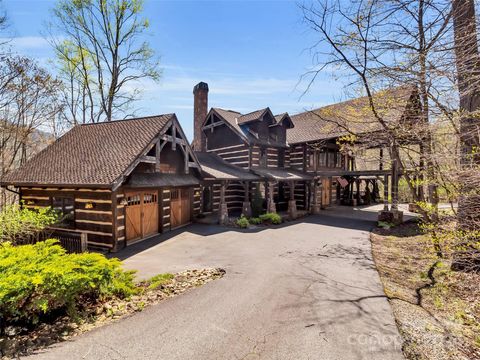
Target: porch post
{"x":292,"y":205}
{"x":357,"y":197}
{"x":223,"y":211}
{"x":315,"y":206}
{"x":247,"y":207}
{"x":270,"y":203}
{"x":395,"y":185}
{"x":385,"y":193}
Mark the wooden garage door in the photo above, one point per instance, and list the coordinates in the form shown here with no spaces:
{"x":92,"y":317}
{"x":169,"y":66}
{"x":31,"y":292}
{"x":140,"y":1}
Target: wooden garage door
{"x":180,"y":207}
{"x":141,"y":215}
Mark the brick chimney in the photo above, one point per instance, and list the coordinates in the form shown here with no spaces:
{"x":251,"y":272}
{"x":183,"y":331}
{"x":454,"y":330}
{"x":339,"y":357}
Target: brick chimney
{"x":200,"y":110}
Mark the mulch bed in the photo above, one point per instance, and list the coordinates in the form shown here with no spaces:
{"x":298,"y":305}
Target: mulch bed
{"x":18,"y":341}
{"x":437,"y":310}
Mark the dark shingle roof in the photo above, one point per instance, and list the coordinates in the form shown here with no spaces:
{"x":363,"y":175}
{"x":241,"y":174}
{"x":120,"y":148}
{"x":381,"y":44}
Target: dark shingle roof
{"x":214,"y":166}
{"x":149,"y":180}
{"x":349,"y":116}
{"x":253,"y":116}
{"x":233,"y":119}
{"x":91,"y":154}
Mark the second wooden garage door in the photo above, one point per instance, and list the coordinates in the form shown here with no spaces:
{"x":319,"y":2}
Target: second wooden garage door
{"x":180,"y":207}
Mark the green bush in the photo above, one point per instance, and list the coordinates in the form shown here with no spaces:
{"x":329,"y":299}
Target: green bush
{"x":159,"y":280}
{"x":41,"y":279}
{"x":272,"y":218}
{"x":242,"y":222}
{"x":255,"y":221}
{"x":22,"y":225}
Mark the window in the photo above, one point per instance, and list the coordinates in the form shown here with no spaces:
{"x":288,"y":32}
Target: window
{"x":310,"y":160}
{"x":133,"y":200}
{"x":331,"y":159}
{"x":338,"y":160}
{"x":322,"y":159}
{"x":65,"y":207}
{"x":149,"y":198}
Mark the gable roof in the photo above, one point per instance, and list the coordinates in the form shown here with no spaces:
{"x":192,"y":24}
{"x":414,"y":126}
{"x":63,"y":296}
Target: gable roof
{"x":91,"y":154}
{"x":253,"y":116}
{"x":233,"y":119}
{"x":280,"y":118}
{"x":353,"y":116}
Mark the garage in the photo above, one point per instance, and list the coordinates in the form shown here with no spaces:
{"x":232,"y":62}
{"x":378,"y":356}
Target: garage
{"x":180,"y":205}
{"x":141,"y":215}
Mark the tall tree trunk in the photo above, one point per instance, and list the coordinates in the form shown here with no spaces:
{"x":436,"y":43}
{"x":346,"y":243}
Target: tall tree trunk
{"x":468,"y":69}
{"x":468,"y":73}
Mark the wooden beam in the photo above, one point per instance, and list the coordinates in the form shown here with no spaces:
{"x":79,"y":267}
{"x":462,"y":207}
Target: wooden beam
{"x":185,"y":157}
{"x":174,"y":137}
{"x":157,"y":155}
{"x":148,"y":159}
{"x":211,"y":126}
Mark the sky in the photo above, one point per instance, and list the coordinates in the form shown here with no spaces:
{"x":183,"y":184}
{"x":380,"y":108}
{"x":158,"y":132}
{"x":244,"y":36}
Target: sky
{"x":251,"y":53}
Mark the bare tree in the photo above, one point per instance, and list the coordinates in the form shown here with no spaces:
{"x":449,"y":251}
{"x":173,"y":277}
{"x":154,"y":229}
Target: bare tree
{"x":105,"y":55}
{"x":29,"y":106}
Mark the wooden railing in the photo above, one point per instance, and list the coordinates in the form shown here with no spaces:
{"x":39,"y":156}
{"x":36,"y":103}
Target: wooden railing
{"x":72,"y":241}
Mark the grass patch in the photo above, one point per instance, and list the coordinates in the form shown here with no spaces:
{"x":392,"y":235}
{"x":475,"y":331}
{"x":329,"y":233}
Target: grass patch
{"x":158,"y":280}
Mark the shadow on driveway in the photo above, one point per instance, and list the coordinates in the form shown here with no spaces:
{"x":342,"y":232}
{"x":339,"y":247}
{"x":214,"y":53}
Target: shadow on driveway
{"x":326,"y":219}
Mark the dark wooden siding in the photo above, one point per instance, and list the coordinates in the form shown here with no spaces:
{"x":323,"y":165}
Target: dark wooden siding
{"x":297,"y":156}
{"x":96,"y":222}
{"x":165,"y":213}
{"x":238,"y":154}
{"x":196,"y":201}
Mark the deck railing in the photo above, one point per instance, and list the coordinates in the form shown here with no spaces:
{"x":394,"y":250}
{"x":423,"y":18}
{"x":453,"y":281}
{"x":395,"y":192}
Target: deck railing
{"x":72,"y":241}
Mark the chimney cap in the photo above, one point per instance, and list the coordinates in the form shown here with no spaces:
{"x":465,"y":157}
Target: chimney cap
{"x":200,"y":86}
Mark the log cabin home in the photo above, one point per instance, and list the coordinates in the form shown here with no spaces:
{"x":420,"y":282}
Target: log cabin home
{"x":118,"y":182}
{"x":123,"y":181}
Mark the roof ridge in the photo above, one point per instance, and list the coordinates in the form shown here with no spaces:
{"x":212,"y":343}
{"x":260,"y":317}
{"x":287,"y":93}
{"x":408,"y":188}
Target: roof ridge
{"x":131,"y":119}
{"x":229,"y":110}
{"x":357,"y":98}
{"x":254,"y":111}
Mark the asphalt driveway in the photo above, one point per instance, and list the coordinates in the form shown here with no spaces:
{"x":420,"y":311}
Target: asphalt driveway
{"x":308,"y":290}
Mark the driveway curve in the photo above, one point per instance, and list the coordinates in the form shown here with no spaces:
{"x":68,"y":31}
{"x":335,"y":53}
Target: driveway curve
{"x":306,"y":290}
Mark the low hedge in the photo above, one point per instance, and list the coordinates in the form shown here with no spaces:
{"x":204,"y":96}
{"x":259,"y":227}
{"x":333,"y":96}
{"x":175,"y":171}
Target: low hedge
{"x":242,"y":222}
{"x":41,"y":279}
{"x":272,"y":218}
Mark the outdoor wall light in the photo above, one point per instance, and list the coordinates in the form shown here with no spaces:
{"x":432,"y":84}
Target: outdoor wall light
{"x":124,"y":202}
{"x":89,"y":205}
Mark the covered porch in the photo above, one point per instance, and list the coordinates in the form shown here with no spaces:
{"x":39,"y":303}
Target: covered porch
{"x":362,"y":187}
{"x":289,"y":186}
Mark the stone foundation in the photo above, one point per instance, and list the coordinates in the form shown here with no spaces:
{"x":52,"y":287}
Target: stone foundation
{"x":315,"y":208}
{"x":247,"y":209}
{"x":223,"y":214}
{"x":393,"y":216}
{"x":271,"y":208}
{"x":292,"y":209}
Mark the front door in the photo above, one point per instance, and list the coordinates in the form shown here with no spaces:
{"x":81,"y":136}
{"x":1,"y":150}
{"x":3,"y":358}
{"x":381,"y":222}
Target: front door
{"x":141,"y":215}
{"x":326,"y":185}
{"x":180,"y":207}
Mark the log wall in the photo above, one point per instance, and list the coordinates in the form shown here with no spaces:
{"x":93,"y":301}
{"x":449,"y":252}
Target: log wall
{"x":97,"y":222}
